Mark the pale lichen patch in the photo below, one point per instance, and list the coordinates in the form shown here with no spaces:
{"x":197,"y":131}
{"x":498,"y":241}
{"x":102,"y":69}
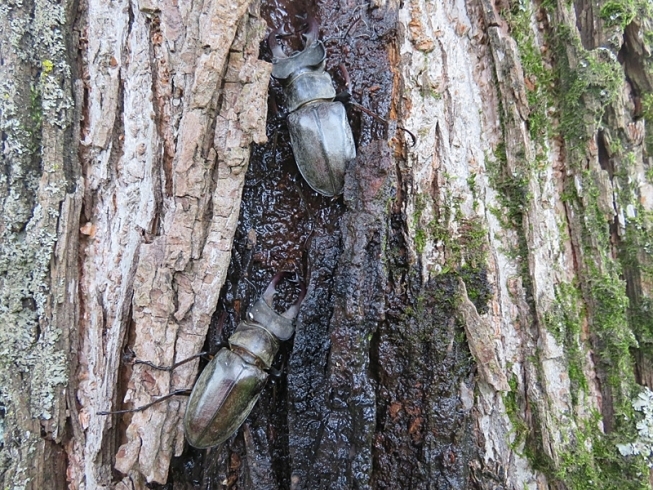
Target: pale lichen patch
{"x":35,"y":121}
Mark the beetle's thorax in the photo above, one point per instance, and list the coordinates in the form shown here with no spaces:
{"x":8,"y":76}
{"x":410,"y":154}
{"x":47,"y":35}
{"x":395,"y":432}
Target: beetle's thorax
{"x":255,"y":344}
{"x":308,"y":86}
{"x":257,"y":339}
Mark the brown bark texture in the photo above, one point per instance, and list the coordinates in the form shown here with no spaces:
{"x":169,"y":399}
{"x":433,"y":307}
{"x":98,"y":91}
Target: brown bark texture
{"x":478,"y":309}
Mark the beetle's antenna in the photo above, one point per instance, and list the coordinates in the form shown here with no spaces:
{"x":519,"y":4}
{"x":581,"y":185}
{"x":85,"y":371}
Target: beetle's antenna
{"x":345,"y":98}
{"x":251,"y":285}
{"x":364,"y":109}
{"x":357,"y":19}
{"x":184,"y":392}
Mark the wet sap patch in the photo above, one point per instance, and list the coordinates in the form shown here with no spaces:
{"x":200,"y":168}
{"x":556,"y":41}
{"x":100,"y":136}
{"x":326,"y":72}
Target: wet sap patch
{"x":369,"y":392}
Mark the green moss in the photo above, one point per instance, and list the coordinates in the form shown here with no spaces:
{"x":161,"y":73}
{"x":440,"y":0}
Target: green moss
{"x":622,"y":12}
{"x":462,"y":240}
{"x":587,"y":82}
{"x":564,"y":322}
{"x":582,"y":84}
{"x":636,"y":257}
{"x":513,"y":410}
{"x":512,"y":190}
{"x":647,"y":106}
{"x":604,"y":292}
{"x":514,"y":196}
{"x":610,"y":323}
{"x":593,"y":461}
{"x":537,"y":75}
{"x":420,"y":233}
{"x":647,"y":114}
{"x":36,"y":115}
{"x":473,"y":188}
{"x":420,"y":240}
{"x":618,"y":12}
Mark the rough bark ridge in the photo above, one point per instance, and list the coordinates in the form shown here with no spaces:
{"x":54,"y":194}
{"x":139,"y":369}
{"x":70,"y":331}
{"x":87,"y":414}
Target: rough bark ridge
{"x":40,"y":199}
{"x":173,"y":96}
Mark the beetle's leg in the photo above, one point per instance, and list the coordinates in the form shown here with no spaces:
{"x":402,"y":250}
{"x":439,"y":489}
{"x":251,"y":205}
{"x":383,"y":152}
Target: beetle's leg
{"x":129,"y":357}
{"x":345,"y":95}
{"x":364,"y":109}
{"x":275,"y":374}
{"x":345,"y":76}
{"x":345,"y":98}
{"x":174,"y":366}
{"x":184,"y":392}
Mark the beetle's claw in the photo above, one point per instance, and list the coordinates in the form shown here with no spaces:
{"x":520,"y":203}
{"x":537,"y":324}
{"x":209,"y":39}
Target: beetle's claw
{"x":293,"y":311}
{"x":268,"y":295}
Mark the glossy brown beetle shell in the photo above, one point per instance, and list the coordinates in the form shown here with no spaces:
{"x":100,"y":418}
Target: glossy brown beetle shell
{"x":222,"y":398}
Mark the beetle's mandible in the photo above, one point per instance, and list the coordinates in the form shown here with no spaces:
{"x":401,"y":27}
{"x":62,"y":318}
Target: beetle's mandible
{"x":320,"y":135}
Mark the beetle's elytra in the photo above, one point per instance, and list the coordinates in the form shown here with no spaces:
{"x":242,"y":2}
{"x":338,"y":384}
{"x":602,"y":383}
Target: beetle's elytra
{"x":320,"y":135}
{"x":231,"y":383}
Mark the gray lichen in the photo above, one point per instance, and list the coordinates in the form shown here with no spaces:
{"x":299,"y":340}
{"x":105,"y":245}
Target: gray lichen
{"x":643,"y":445}
{"x":35,"y":116}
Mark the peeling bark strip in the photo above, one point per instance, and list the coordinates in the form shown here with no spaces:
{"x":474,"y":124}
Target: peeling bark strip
{"x":166,"y":147}
{"x":481,"y":343}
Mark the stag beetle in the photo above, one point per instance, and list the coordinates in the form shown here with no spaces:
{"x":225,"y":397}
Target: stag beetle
{"x":231,"y":383}
{"x":320,"y":134}
{"x":228,"y":388}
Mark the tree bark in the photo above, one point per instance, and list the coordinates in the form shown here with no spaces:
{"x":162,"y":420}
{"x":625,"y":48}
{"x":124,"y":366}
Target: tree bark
{"x":40,"y":201}
{"x":478,"y":310}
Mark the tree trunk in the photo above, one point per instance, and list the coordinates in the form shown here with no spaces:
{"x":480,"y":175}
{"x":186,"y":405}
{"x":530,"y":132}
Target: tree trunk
{"x":478,"y":310}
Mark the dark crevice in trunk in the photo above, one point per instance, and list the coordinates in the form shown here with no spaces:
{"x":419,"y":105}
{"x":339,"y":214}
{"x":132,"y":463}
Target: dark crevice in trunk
{"x":370,"y":391}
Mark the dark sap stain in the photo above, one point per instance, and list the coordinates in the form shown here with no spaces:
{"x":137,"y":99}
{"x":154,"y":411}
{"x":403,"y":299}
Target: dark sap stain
{"x":364,"y":400}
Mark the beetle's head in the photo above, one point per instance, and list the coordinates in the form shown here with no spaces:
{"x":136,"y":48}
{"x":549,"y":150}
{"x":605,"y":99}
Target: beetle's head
{"x":310,"y":57}
{"x":310,"y":34}
{"x":263,"y":313}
